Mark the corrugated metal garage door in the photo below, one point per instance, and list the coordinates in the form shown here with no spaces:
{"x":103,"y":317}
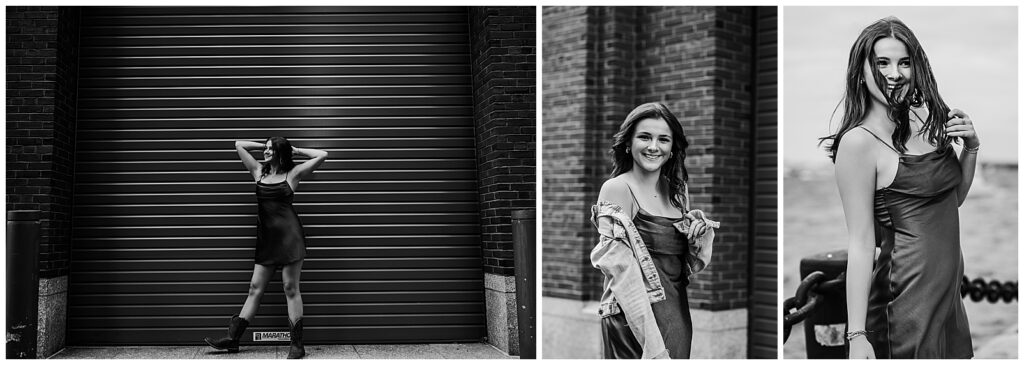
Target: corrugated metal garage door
{"x":764,"y":257}
{"x":164,"y":219}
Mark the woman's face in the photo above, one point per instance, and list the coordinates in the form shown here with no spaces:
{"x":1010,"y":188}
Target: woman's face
{"x":268,"y":151}
{"x":894,"y":63}
{"x":651,"y":145}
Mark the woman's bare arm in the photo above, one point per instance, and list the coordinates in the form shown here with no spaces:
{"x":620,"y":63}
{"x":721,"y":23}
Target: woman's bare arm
{"x":243,"y":148}
{"x":303,"y":170}
{"x":960,"y":125}
{"x":855,"y":176}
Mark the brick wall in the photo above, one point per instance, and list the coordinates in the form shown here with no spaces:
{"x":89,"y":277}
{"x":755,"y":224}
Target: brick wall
{"x":42,"y":76}
{"x":599,"y":63}
{"x":568,"y":103}
{"x":504,"y":71}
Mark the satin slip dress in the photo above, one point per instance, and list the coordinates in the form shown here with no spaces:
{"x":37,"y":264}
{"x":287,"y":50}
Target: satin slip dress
{"x":914,"y":307}
{"x":280,"y":239}
{"x":668,"y":248}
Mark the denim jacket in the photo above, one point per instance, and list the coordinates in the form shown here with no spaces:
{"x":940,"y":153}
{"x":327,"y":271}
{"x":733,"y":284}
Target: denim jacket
{"x":631,"y":282}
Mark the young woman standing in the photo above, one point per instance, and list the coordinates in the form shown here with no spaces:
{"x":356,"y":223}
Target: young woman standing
{"x":280,"y":241}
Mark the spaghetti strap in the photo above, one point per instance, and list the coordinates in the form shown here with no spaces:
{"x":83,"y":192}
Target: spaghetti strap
{"x":634,"y":197}
{"x":880,"y":139}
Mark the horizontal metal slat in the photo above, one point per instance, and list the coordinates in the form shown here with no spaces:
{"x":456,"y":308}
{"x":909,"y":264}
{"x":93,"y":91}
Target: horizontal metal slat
{"x":216,"y":231}
{"x":227,"y":154}
{"x":312,"y":335}
{"x":241,"y":175}
{"x":233,"y":165}
{"x":250,"y":219}
{"x":222,"y":11}
{"x":257,"y":29}
{"x":279,"y":91}
{"x":289,"y":53}
{"x":241,"y":286}
{"x":285,"y":69}
{"x":268,"y":39}
{"x":274,"y":18}
{"x":275,"y":80}
{"x":269,"y":101}
{"x":124,"y":323}
{"x":315,"y":253}
{"x":170,"y":144}
{"x":309,"y":186}
{"x":302,"y":208}
{"x":469,"y":270}
{"x":277,"y":111}
{"x":249,"y":241}
{"x":268,"y":309}
{"x":236,"y":293}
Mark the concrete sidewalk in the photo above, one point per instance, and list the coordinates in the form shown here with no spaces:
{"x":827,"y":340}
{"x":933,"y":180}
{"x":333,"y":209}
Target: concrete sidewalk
{"x":417,"y":351}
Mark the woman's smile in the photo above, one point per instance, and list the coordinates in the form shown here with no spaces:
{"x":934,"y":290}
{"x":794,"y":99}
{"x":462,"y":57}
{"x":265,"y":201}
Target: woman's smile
{"x":652,"y":156}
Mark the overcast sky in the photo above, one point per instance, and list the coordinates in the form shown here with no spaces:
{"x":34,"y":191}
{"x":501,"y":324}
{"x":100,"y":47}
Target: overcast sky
{"x":972,"y":50}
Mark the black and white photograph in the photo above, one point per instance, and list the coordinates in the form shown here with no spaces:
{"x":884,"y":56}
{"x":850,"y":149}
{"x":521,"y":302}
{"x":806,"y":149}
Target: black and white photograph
{"x":901,"y":186}
{"x":659,"y":182}
{"x":271,"y":182}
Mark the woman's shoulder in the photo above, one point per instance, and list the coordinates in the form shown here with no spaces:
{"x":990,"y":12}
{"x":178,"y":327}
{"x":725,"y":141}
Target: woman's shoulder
{"x":857,"y":140}
{"x":616,"y":190}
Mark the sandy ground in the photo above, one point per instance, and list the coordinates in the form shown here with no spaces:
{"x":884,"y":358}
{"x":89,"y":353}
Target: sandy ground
{"x":988,"y":220}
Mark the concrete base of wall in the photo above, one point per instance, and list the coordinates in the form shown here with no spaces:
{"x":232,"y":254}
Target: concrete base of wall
{"x":571,"y":330}
{"x":53,"y":309}
{"x":719,"y":335}
{"x":502,"y":322}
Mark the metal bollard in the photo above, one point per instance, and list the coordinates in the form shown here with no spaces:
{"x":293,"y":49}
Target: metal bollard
{"x":524,"y":240}
{"x":825,"y":327}
{"x":22,"y":283}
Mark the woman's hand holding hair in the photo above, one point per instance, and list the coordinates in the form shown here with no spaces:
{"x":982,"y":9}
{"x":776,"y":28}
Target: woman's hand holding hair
{"x":960,"y":125}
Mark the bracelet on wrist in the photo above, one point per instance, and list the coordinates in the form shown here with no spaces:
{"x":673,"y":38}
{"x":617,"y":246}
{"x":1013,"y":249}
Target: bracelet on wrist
{"x":972,"y":149}
{"x":854,"y":334}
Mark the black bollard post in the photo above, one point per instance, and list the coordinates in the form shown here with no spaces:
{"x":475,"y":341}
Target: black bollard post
{"x":825,"y":327}
{"x":22,"y":283}
{"x":524,"y":240}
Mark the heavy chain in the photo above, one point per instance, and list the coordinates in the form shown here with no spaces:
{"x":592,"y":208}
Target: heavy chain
{"x":796,"y":308}
{"x":993,"y":291}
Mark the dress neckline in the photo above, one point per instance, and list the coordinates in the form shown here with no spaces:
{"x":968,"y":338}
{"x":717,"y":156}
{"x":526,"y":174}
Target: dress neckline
{"x":648,"y":214}
{"x":263,"y":183}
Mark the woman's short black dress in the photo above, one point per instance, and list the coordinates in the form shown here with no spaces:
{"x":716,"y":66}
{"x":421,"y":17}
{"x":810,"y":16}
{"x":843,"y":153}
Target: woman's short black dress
{"x":914,"y":308}
{"x":279,"y":237}
{"x":668,"y":248}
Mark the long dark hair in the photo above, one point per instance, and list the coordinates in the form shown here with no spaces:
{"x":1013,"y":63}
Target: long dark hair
{"x":282,"y":156}
{"x":922,"y":91}
{"x":673,"y":172}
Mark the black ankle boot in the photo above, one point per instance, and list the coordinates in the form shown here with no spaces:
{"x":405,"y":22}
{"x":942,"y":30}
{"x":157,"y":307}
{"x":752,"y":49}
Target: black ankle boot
{"x":297,"y":351}
{"x":236,"y":327}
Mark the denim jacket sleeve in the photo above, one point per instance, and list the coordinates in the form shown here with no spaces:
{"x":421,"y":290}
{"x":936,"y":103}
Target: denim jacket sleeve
{"x":616,"y":257}
{"x":700,"y":249}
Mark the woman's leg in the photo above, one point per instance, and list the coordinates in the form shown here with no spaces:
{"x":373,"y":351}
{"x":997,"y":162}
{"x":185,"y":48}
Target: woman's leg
{"x":260,"y":277}
{"x":290,"y":276}
{"x":293,"y":296}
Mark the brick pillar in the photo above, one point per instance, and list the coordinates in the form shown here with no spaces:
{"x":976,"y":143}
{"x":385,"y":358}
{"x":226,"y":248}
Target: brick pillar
{"x":504,"y":93}
{"x":42,"y":77}
{"x":599,"y":63}
{"x":570,"y":285}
